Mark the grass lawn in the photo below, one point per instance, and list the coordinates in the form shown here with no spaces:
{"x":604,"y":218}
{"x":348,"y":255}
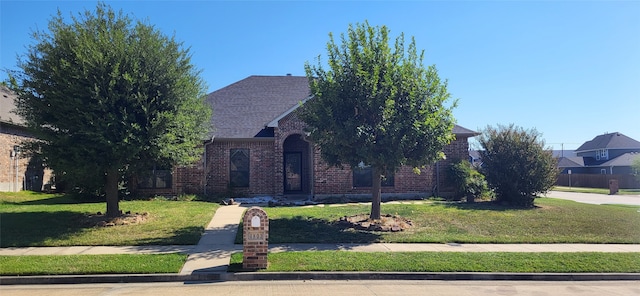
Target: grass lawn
{"x":448,"y":262}
{"x":90,"y":264}
{"x":37,"y":219}
{"x":596,"y":190}
{"x":553,"y":221}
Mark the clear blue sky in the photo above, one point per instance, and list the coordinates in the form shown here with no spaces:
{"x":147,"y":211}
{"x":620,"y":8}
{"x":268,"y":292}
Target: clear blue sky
{"x":569,"y":69}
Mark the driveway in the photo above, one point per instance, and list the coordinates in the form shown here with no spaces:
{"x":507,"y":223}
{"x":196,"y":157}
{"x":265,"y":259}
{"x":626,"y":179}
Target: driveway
{"x":597,"y":199}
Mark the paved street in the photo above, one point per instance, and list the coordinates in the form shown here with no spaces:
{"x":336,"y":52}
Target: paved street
{"x":598,"y":199}
{"x":336,"y":288}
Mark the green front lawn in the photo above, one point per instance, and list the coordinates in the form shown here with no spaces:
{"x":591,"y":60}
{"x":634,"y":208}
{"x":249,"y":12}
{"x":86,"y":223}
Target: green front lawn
{"x":447,"y":262}
{"x":37,"y":219}
{"x":552,"y":221}
{"x":91,"y":264}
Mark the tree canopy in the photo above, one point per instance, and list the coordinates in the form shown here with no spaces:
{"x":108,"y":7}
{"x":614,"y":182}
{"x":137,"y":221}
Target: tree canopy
{"x":106,"y":96}
{"x":377,"y":105}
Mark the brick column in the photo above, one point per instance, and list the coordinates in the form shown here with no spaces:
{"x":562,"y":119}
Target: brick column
{"x":255,"y":227}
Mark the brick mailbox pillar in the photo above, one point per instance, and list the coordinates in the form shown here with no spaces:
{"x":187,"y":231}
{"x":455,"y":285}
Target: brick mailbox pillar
{"x":613,"y":186}
{"x":255,"y":228}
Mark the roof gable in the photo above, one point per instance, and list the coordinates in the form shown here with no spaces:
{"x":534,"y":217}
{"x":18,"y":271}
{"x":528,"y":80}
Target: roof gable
{"x":609,"y":141}
{"x":243,"y":109}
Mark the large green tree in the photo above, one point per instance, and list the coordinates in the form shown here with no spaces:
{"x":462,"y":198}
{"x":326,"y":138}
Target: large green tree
{"x":106,"y":96}
{"x":377,"y":105}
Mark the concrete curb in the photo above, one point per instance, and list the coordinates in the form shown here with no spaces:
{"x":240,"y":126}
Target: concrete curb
{"x":289,"y":276}
{"x":444,"y":276}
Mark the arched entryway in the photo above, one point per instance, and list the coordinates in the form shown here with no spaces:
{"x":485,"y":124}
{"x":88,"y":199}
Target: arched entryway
{"x":297,"y":168}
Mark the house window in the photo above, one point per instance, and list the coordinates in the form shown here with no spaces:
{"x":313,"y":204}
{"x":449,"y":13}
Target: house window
{"x":363,"y":177}
{"x":603,"y":171}
{"x":239,"y":168}
{"x":602,"y":154}
{"x":156,"y":178}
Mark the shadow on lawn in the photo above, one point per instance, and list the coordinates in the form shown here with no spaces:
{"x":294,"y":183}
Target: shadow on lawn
{"x":34,"y":228}
{"x":183,"y":236}
{"x":311,"y":230}
{"x":63,"y":199}
{"x":486,"y":206}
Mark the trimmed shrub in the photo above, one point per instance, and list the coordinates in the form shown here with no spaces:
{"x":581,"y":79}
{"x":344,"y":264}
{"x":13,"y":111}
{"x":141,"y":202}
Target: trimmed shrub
{"x":467,"y":180}
{"x":516,"y":164}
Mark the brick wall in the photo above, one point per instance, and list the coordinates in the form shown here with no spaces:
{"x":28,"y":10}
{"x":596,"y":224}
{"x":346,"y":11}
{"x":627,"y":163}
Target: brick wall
{"x":261,"y":164}
{"x":189,"y":179}
{"x":289,"y":125}
{"x":458,"y":149}
{"x":333,"y":180}
{"x":31,"y":175}
{"x":267,"y":170}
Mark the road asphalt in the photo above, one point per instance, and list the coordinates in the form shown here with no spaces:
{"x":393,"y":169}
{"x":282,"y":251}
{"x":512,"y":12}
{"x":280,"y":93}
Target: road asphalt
{"x":209,"y":259}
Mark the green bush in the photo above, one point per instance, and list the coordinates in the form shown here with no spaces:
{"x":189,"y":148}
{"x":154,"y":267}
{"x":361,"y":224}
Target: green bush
{"x":467,"y":180}
{"x":516,"y":164}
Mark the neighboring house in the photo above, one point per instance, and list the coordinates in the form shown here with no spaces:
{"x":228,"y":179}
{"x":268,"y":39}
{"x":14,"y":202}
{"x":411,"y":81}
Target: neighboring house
{"x":610,"y":154}
{"x":17,"y":170}
{"x":475,"y":158}
{"x":258,"y":147}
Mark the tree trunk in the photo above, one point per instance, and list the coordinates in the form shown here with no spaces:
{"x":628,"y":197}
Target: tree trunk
{"x":376,"y":194}
{"x":111,"y":190}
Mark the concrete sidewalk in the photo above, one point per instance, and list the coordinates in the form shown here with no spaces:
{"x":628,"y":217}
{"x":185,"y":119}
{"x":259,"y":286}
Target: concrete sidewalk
{"x":213,"y":257}
{"x":213,"y":252}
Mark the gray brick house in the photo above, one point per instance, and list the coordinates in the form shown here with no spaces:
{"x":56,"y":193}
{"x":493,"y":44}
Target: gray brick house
{"x":258,"y":147}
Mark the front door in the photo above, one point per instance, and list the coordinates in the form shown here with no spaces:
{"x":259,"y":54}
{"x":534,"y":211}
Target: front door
{"x":292,"y":172}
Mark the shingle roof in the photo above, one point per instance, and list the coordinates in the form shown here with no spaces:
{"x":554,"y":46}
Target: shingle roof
{"x":609,"y":141}
{"x":622,"y":160}
{"x":244,"y":109}
{"x":570,"y":162}
{"x":7,"y":106}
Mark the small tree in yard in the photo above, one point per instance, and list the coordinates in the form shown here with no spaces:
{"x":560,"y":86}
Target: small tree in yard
{"x":106,"y":97}
{"x":516,"y":164}
{"x":377,"y":105}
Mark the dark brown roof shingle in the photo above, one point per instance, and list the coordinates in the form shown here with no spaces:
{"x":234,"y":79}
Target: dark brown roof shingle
{"x":243,"y":109}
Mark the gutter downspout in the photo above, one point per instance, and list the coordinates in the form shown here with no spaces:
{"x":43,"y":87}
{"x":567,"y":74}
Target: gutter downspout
{"x":204,"y":165}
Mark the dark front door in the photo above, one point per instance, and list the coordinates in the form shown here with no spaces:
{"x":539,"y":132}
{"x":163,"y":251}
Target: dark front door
{"x":293,"y":172}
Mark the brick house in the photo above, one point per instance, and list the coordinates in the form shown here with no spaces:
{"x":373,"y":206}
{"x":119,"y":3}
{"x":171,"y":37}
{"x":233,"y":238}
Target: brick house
{"x":258,"y":147}
{"x":17,"y":170}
